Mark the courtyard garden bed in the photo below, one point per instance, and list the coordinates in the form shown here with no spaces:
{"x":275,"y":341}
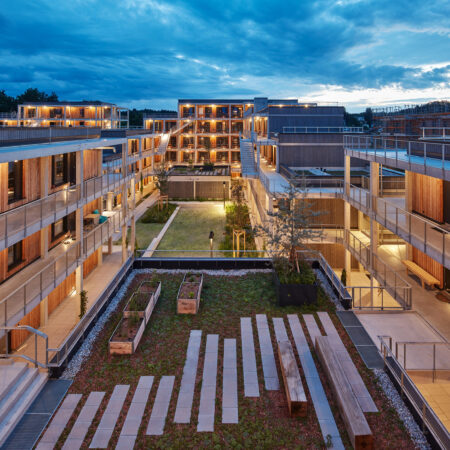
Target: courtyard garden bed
{"x":143,"y":300}
{"x":188,"y":298}
{"x":127,"y":335}
{"x":264,"y":422}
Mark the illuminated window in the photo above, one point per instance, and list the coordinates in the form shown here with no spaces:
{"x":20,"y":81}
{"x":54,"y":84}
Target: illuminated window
{"x":15,"y":175}
{"x":14,"y":255}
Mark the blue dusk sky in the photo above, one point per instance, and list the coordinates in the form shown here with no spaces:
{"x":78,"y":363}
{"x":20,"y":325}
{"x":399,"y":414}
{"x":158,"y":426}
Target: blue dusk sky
{"x":149,"y":53}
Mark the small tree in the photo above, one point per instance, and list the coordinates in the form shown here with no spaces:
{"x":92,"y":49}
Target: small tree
{"x":344,"y":277}
{"x":237,"y":195}
{"x":83,"y":304}
{"x":162,"y":180}
{"x":289,"y":227}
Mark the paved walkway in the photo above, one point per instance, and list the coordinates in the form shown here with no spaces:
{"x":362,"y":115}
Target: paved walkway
{"x":251,"y":386}
{"x":229,"y":392}
{"x":268,"y":360}
{"x":209,"y":382}
{"x":186,"y":395}
{"x":108,"y":422}
{"x":59,"y":422}
{"x":321,"y":406}
{"x":130,"y":428}
{"x":84,"y":421}
{"x":161,"y":406}
{"x":280,"y":329}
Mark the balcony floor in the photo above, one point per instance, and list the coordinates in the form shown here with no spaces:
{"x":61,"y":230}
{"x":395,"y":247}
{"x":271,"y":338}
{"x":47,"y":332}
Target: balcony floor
{"x":64,"y":318}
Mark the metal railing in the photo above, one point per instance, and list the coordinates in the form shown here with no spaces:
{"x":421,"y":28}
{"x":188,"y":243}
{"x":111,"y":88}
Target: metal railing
{"x":425,"y":235}
{"x":429,"y":158}
{"x":323,"y":129}
{"x":435,"y":133}
{"x":37,"y":333}
{"x":407,"y":388}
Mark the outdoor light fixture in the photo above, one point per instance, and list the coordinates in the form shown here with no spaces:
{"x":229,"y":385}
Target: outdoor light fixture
{"x":211,"y":237}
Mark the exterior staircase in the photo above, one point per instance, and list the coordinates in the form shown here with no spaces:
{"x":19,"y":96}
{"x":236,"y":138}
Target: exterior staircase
{"x":166,"y":136}
{"x":248,"y":168}
{"x":19,"y":386}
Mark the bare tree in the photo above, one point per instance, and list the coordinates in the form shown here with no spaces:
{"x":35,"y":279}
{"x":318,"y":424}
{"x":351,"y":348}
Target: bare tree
{"x":162,"y":180}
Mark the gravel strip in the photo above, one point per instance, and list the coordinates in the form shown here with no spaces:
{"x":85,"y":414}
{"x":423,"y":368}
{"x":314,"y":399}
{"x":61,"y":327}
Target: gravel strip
{"x":402,"y":410}
{"x":328,"y":289}
{"x":85,"y":349}
{"x":218,"y":273}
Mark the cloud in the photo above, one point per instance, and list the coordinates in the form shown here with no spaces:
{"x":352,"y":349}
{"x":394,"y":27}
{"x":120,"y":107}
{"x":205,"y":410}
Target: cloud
{"x":147,"y":52}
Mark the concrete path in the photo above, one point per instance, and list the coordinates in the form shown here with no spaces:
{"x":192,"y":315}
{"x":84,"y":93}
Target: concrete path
{"x":229,"y":390}
{"x":208,"y":393}
{"x":161,"y":406}
{"x":268,"y":360}
{"x":351,"y":372}
{"x":251,"y":386}
{"x":323,"y":411}
{"x":133,"y":420}
{"x":59,"y":422}
{"x":313,"y":328}
{"x":186,"y":395}
{"x":108,"y":422}
{"x":280,"y":329}
{"x":84,"y":421}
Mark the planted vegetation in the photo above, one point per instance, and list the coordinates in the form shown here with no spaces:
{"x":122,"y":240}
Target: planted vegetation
{"x":158,"y":215}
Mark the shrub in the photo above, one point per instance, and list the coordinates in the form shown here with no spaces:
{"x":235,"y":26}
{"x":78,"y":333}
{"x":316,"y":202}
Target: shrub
{"x":155,"y":215}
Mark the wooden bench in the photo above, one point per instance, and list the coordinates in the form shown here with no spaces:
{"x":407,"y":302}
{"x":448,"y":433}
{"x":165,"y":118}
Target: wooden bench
{"x":355,"y":422}
{"x":424,"y":276}
{"x":293,"y":386}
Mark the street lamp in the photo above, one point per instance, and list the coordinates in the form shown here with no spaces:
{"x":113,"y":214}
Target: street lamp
{"x":211,"y":237}
{"x":223,"y":184}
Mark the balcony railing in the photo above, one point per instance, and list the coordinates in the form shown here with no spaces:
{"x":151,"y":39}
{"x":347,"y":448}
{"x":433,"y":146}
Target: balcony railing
{"x":24,"y":298}
{"x":428,"y":158}
{"x":323,"y":129}
{"x":425,"y":235}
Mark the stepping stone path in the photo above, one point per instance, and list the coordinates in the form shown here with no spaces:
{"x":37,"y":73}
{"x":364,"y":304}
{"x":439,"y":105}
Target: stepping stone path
{"x":108,"y":422}
{"x":83,"y":422}
{"x":208,"y":392}
{"x":268,"y":360}
{"x":351,"y":372}
{"x":323,"y":411}
{"x":280,"y":329}
{"x":251,"y":386}
{"x":186,"y":395}
{"x":313,"y":328}
{"x":130,"y":428}
{"x":59,"y":422}
{"x":229,"y":390}
{"x":161,"y":406}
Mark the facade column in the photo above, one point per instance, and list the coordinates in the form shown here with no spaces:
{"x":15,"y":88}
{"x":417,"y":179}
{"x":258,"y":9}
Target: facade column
{"x":409,"y":181}
{"x":100,"y":173}
{"x":43,"y":309}
{"x":79,"y":226}
{"x":347,"y":221}
{"x":277,"y":158}
{"x":374,"y":192}
{"x":44,"y":174}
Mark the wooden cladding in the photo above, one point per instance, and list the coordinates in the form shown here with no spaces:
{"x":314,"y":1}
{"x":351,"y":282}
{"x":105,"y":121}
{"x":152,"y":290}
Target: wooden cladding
{"x":428,"y":197}
{"x":60,"y":293}
{"x":31,"y":250}
{"x":91,"y":164}
{"x":90,"y":264}
{"x":332,"y":212}
{"x":430,"y":265}
{"x":32,"y":319}
{"x":30,"y":184}
{"x":334,"y":254}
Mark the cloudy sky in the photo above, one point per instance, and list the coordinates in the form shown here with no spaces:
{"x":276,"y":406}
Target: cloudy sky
{"x":148,"y":53}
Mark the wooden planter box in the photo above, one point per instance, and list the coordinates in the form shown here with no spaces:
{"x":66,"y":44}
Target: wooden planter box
{"x":123,"y":345}
{"x":295,"y":294}
{"x":150,"y":294}
{"x":186,"y":305}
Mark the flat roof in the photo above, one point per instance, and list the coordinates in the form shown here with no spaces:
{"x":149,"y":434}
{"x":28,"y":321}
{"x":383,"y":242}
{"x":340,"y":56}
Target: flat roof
{"x":64,"y":103}
{"x":215,"y":100}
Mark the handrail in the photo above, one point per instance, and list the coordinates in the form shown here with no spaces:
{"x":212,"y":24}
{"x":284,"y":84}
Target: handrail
{"x":323,"y":129}
{"x":415,"y":397}
{"x":37,"y":333}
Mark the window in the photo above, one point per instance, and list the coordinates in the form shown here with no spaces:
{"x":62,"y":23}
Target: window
{"x":14,"y":255}
{"x":15,"y":175}
{"x":63,"y":226}
{"x":59,"y":170}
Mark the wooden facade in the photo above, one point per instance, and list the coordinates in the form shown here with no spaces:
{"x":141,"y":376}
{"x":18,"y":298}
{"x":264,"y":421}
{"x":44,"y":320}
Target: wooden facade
{"x":428,"y":197}
{"x":332,"y":212}
{"x":429,"y":264}
{"x":60,"y":292}
{"x":91,"y":164}
{"x":334,"y":254}
{"x":90,"y":264}
{"x":32,"y":319}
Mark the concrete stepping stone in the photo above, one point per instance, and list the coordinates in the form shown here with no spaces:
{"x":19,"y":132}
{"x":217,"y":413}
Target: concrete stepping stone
{"x":351,"y":372}
{"x":84,"y":420}
{"x":229,"y":388}
{"x":161,"y":406}
{"x":268,"y":359}
{"x":251,"y":386}
{"x":108,"y":421}
{"x":208,"y":393}
{"x":130,"y":428}
{"x":59,"y":422}
{"x":280,"y":329}
{"x":323,"y":411}
{"x":313,"y":328}
{"x":186,"y":395}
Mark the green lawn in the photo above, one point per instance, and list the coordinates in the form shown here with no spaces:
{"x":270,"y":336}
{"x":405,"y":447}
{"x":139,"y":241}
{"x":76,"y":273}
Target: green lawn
{"x":145,"y":232}
{"x":190,"y":230}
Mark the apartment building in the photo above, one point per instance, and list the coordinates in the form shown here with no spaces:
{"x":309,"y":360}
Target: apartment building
{"x":65,"y":209}
{"x":72,"y":114}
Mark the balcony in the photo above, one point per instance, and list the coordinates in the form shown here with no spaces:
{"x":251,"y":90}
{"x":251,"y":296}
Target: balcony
{"x":425,"y":235}
{"x":427,"y":158}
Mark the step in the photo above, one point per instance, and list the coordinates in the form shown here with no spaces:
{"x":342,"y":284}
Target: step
{"x":21,"y":406}
{"x":9,"y":375}
{"x":16,"y":391}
